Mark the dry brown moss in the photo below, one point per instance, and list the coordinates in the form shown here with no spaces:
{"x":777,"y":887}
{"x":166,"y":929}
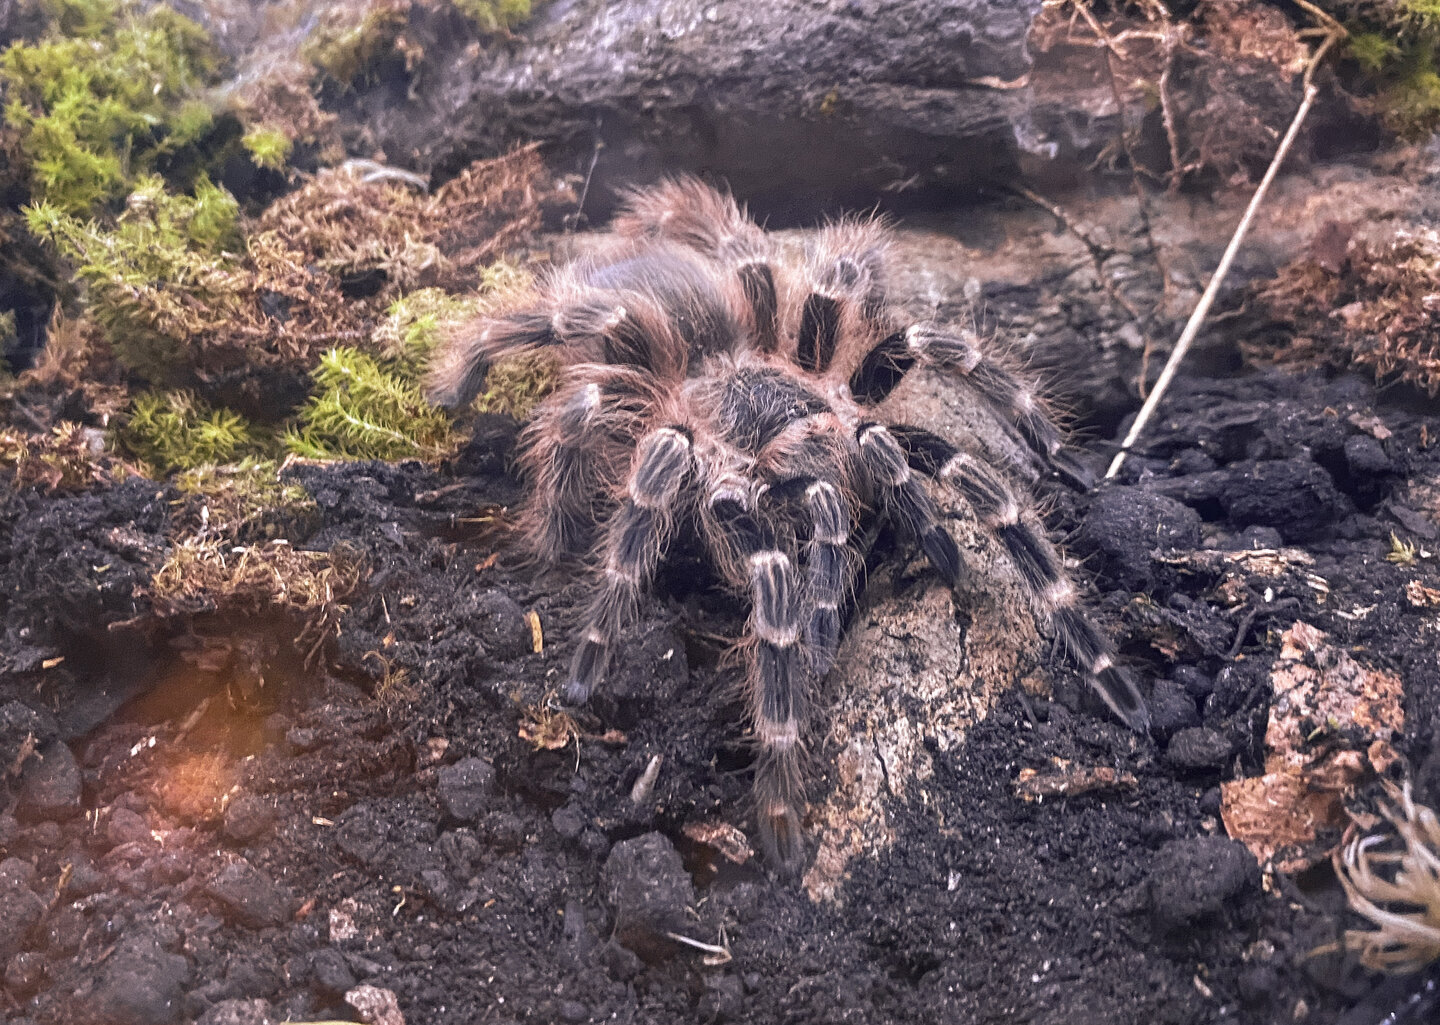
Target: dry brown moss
{"x":214,"y":576}
{"x":1394,"y":881}
{"x":1352,"y":301}
{"x":319,"y":268}
{"x":69,"y":458}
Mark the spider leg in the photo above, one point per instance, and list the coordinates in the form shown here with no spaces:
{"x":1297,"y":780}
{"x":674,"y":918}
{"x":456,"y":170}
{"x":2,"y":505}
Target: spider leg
{"x":887,"y":363}
{"x":1039,"y":565}
{"x":827,"y":571}
{"x":687,"y":211}
{"x":843,"y":271}
{"x":635,"y":538}
{"x":751,"y":552}
{"x":905,"y":498}
{"x":624,"y":326}
{"x":828,"y":566}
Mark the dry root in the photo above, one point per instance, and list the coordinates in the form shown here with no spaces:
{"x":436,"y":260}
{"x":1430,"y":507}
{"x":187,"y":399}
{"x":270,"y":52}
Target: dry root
{"x":1397,"y":889}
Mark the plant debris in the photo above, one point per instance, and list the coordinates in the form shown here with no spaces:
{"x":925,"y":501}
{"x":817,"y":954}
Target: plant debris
{"x":1394,"y":881}
{"x":1352,"y":300}
{"x":1331,"y":724}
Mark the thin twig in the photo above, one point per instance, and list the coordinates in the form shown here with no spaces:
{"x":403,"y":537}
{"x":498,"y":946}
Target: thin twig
{"x":1192,"y":327}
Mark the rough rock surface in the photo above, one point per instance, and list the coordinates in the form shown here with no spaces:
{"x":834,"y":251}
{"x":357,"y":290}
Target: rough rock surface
{"x":786,"y":98}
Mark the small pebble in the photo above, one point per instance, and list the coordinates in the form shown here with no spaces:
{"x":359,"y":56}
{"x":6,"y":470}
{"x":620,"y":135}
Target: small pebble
{"x":1199,"y":748}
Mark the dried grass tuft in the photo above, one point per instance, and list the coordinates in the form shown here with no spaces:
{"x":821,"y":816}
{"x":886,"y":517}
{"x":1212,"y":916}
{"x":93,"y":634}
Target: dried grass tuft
{"x":1393,"y":879}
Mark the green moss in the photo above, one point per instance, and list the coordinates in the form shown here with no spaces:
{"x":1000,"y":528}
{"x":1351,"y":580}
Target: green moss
{"x":1396,"y":43}
{"x":160,"y":277}
{"x":494,"y":15}
{"x":363,"y":410}
{"x":104,"y":96}
{"x":269,"y":147}
{"x":415,"y":324}
{"x":175,"y":430}
{"x":1373,"y":50}
{"x":514,"y":385}
{"x":351,"y":40}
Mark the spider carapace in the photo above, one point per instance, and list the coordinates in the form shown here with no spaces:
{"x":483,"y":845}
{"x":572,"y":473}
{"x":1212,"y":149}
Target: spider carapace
{"x":711,"y":378}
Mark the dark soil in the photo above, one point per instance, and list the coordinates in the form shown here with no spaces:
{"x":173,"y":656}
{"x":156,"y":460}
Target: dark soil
{"x":381,"y":820}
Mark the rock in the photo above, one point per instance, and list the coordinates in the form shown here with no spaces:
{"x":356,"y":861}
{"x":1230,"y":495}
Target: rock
{"x":568,"y":820}
{"x":375,"y":1006}
{"x":125,"y":826}
{"x":24,"y":973}
{"x":50,"y":785}
{"x":1196,"y":683}
{"x":792,"y":102}
{"x":1295,"y":496}
{"x":248,"y":817}
{"x":1172,"y":708}
{"x":330,"y":973}
{"x":20,"y":909}
{"x":650,"y":892}
{"x":22,"y":730}
{"x":249,"y":896}
{"x":501,"y":626}
{"x":140,"y":984}
{"x":465,"y":788}
{"x":1199,"y":748}
{"x":1125,"y":525}
{"x":1195,"y":879}
{"x":238,"y":1012}
{"x":1366,"y":457}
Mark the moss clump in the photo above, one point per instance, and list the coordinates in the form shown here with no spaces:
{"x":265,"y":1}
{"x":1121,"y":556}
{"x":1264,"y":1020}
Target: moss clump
{"x":160,"y":277}
{"x":268,"y":147}
{"x":175,"y":430}
{"x":1396,"y":44}
{"x":69,"y":458}
{"x":111,"y":92}
{"x":246,"y":502}
{"x":1359,"y":302}
{"x":214,"y":576}
{"x":352,"y":39}
{"x":494,"y":15}
{"x":514,"y":385}
{"x":416,"y":323}
{"x":362,"y":410}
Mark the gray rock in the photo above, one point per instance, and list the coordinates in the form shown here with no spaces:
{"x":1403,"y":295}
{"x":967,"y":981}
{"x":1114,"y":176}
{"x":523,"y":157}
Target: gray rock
{"x":1199,"y":748}
{"x":465,"y":788}
{"x":24,"y":973}
{"x":249,"y":896}
{"x":238,"y":1012}
{"x":22,"y":729}
{"x":50,"y":785}
{"x":800,"y":105}
{"x":248,"y":817}
{"x":140,"y":984}
{"x":1196,"y":879}
{"x":1125,"y":526}
{"x":20,"y":910}
{"x":1172,"y":709}
{"x":330,"y":973}
{"x":501,"y":626}
{"x":125,"y":826}
{"x":650,"y":892}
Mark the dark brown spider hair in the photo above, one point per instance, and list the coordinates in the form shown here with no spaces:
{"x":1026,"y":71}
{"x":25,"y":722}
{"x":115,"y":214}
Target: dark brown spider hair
{"x":708,"y":379}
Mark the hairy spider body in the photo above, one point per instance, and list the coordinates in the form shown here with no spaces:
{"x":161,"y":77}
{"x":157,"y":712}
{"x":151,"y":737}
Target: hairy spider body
{"x":710,"y":380}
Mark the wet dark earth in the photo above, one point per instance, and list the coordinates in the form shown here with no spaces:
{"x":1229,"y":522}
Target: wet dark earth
{"x":413,"y":812}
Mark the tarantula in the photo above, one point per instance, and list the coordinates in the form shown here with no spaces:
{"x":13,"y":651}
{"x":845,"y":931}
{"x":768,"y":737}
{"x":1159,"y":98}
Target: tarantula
{"x":711,"y":383}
